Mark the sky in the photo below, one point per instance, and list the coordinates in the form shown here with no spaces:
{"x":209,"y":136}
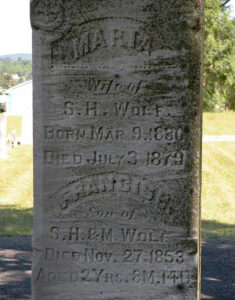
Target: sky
{"x":15,"y":30}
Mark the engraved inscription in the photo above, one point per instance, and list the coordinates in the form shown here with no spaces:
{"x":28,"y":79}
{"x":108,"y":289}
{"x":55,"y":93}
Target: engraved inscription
{"x":102,"y":86}
{"x":129,"y":256}
{"x":154,"y":158}
{"x":110,"y":134}
{"x":105,"y":86}
{"x":107,"y":235}
{"x":98,"y":35}
{"x":137,"y":276}
{"x":94,"y":39}
{"x":120,"y":109}
{"x":122,"y":184}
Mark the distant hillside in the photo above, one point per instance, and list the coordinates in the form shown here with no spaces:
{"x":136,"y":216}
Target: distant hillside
{"x":15,"y":56}
{"x":14,"y":70}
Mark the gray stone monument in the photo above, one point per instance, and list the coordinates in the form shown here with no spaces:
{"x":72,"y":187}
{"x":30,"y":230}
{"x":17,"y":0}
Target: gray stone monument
{"x":117,"y":149}
{"x":3,"y":125}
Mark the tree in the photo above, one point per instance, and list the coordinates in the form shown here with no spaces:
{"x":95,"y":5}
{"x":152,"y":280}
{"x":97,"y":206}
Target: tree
{"x":10,"y":67}
{"x":219,"y":56}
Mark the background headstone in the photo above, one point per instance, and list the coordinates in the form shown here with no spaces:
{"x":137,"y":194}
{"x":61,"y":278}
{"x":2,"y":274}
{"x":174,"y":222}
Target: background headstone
{"x":3,"y":146}
{"x":117,"y":149}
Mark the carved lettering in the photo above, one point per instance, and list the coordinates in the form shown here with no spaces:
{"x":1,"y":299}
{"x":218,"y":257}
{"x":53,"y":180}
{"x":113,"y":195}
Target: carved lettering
{"x":132,"y":158}
{"x":93,"y":40}
{"x":106,"y":134}
{"x":130,"y":235}
{"x":119,"y":109}
{"x":127,"y":256}
{"x":137,"y":276}
{"x":105,"y":183}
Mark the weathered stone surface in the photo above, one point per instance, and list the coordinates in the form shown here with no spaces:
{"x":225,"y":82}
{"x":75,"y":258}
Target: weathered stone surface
{"x":117,"y":137}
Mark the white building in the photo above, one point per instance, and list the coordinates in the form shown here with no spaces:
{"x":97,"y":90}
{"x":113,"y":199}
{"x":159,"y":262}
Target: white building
{"x":19,"y":104}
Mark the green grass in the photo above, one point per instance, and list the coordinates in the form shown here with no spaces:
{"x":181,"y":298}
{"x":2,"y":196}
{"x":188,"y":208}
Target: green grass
{"x":218,"y":178}
{"x":218,"y":185}
{"x":218,"y":190}
{"x":221,"y":123}
{"x":16,"y":192}
{"x":14,"y":123}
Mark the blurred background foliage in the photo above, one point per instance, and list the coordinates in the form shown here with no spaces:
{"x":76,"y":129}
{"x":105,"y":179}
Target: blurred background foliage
{"x":219,"y":56}
{"x":14,"y":71}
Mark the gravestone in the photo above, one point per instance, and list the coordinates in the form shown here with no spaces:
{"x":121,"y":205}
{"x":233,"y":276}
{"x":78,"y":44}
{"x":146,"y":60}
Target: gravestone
{"x":3,"y":150}
{"x":117,"y":149}
{"x":3,"y":124}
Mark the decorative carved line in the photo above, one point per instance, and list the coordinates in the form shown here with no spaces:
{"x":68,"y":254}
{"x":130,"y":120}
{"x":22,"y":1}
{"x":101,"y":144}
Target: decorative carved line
{"x":62,"y":67}
{"x":107,"y":18}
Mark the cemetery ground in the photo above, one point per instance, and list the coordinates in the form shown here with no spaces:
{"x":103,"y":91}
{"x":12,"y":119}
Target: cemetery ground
{"x":218,"y":215}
